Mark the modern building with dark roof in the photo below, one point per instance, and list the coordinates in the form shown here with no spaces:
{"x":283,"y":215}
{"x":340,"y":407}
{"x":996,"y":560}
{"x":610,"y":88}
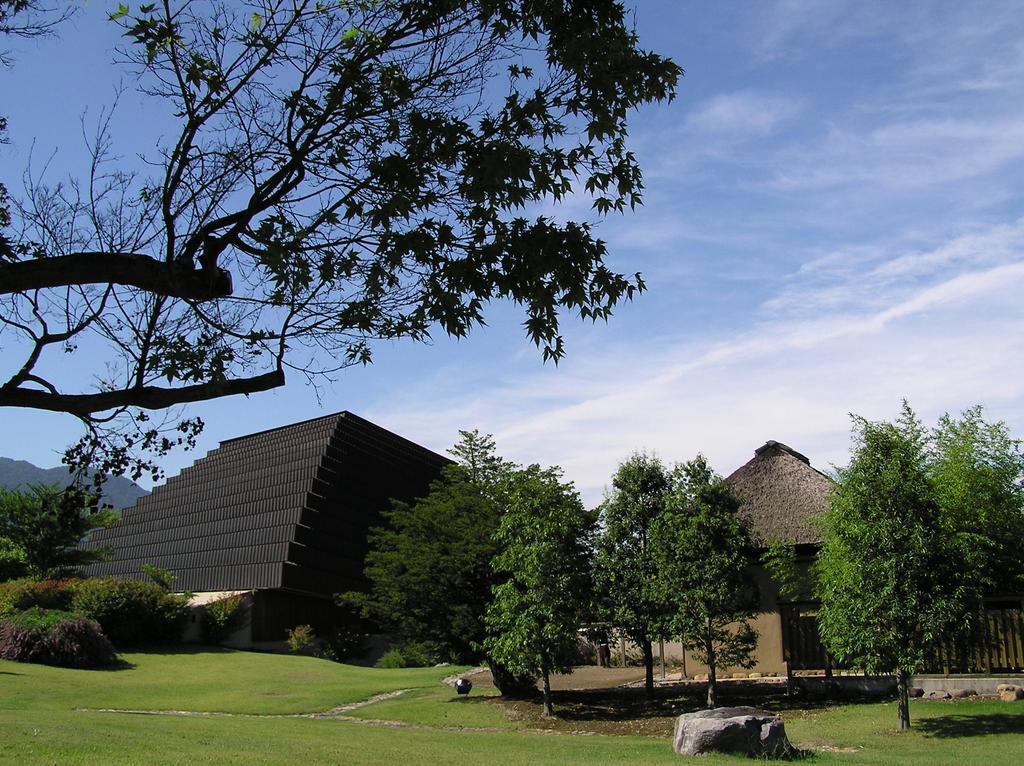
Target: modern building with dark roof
{"x":280,"y":515}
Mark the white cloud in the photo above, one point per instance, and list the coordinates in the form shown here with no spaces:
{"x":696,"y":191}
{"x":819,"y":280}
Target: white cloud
{"x":743,"y":113}
{"x":954,"y":342}
{"x":903,"y":155}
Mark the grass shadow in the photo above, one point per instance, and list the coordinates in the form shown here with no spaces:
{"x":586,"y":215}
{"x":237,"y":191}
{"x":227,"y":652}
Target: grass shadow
{"x":960,"y":725}
{"x":468,"y":700}
{"x":632,"y":704}
{"x":9,"y":673}
{"x":185,"y":649}
{"x":121,"y":664}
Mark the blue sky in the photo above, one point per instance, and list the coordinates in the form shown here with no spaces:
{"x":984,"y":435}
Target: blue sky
{"x":833,"y":222}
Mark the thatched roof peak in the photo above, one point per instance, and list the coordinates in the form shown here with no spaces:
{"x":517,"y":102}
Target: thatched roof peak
{"x":771,"y":444}
{"x":781,"y":494}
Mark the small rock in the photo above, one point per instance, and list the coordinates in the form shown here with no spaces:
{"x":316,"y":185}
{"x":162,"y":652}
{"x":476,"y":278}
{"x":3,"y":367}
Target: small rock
{"x":959,"y":694}
{"x":938,"y":694}
{"x":739,"y":675}
{"x":915,"y":691}
{"x":753,"y":675}
{"x":1011,"y":695}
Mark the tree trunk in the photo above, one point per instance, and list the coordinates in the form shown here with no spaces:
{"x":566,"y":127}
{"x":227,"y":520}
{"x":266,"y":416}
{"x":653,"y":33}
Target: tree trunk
{"x":648,"y":668}
{"x":548,"y":711}
{"x":709,"y":647}
{"x":903,"y":698}
{"x":511,"y":685}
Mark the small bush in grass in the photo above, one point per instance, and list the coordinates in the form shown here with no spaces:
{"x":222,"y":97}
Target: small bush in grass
{"x":53,"y":637}
{"x":301,"y":639}
{"x":409,"y":655}
{"x":131,"y":613}
{"x":421,"y":654}
{"x":222,"y":618}
{"x":391,"y":659}
{"x":18,"y":595}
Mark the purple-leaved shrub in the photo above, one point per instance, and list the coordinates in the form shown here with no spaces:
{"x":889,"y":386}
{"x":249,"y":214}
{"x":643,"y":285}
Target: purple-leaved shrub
{"x":53,"y":637}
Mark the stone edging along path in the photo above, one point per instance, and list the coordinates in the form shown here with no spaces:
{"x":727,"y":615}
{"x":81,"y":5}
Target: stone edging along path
{"x":335,"y":714}
{"x":338,"y":712}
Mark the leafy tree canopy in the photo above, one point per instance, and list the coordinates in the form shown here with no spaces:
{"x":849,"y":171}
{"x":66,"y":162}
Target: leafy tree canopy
{"x":978,"y":472}
{"x":545,"y":542}
{"x":429,"y":567}
{"x":626,"y":567}
{"x":40,"y":531}
{"x":703,"y":550}
{"x":896,"y":572}
{"x":341,"y":172}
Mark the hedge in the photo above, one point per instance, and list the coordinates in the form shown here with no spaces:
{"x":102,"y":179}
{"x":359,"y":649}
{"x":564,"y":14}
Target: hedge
{"x":54,"y":637}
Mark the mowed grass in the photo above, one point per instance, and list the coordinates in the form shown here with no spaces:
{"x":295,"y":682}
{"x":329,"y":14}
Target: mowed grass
{"x":204,"y":680}
{"x":47,"y":716}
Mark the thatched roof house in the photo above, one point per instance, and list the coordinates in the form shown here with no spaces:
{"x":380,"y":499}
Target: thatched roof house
{"x":282,"y":514}
{"x":782,"y":494}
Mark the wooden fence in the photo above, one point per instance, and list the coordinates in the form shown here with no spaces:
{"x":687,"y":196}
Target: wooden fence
{"x":997,"y":645}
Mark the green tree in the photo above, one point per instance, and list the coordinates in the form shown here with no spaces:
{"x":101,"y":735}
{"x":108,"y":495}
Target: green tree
{"x":40,"y":530}
{"x":626,"y":568}
{"x":894,"y":574}
{"x":341,"y":173}
{"x":429,"y":567}
{"x":703,"y":550}
{"x":546,"y":544}
{"x":978,"y":472}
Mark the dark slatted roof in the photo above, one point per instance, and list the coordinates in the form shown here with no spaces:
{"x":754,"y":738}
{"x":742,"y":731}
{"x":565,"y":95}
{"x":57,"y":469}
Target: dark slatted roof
{"x":781,"y":495}
{"x":284,"y":508}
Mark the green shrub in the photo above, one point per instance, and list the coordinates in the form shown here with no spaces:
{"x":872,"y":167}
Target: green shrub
{"x":222,"y":618}
{"x":36,"y":618}
{"x":13,"y":560}
{"x":343,"y":643}
{"x":54,"y":637}
{"x":418,"y":654}
{"x":162,"y":577}
{"x":410,"y":655}
{"x":301,"y":639}
{"x":391,"y":659}
{"x":131,"y":613}
{"x":19,"y":595}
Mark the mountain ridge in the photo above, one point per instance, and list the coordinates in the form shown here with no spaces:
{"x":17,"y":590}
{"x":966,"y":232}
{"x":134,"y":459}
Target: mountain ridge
{"x":21,"y":474}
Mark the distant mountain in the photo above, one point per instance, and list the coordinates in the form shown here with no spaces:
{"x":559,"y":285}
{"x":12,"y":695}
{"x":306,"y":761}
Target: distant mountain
{"x":19,"y":474}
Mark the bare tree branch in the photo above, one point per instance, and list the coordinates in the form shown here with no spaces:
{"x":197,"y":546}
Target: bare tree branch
{"x":145,"y":397}
{"x":176,"y":280}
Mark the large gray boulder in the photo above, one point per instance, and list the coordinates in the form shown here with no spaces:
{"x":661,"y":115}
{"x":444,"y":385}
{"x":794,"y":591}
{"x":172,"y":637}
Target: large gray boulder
{"x":745,"y":730}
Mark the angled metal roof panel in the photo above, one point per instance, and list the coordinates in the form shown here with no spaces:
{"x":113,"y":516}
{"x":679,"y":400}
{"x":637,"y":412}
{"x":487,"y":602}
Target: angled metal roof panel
{"x":288,"y":507}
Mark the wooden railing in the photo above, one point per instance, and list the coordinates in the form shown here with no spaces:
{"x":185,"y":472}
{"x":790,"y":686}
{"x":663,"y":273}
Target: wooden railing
{"x":996,"y":646}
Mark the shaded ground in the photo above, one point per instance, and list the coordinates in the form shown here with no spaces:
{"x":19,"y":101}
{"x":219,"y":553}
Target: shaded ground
{"x":959,"y":725}
{"x":607,"y":707}
{"x":585,"y":677}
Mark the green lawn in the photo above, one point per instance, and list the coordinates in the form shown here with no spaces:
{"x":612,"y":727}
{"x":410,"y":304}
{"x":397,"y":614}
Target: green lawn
{"x":47,"y":717}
